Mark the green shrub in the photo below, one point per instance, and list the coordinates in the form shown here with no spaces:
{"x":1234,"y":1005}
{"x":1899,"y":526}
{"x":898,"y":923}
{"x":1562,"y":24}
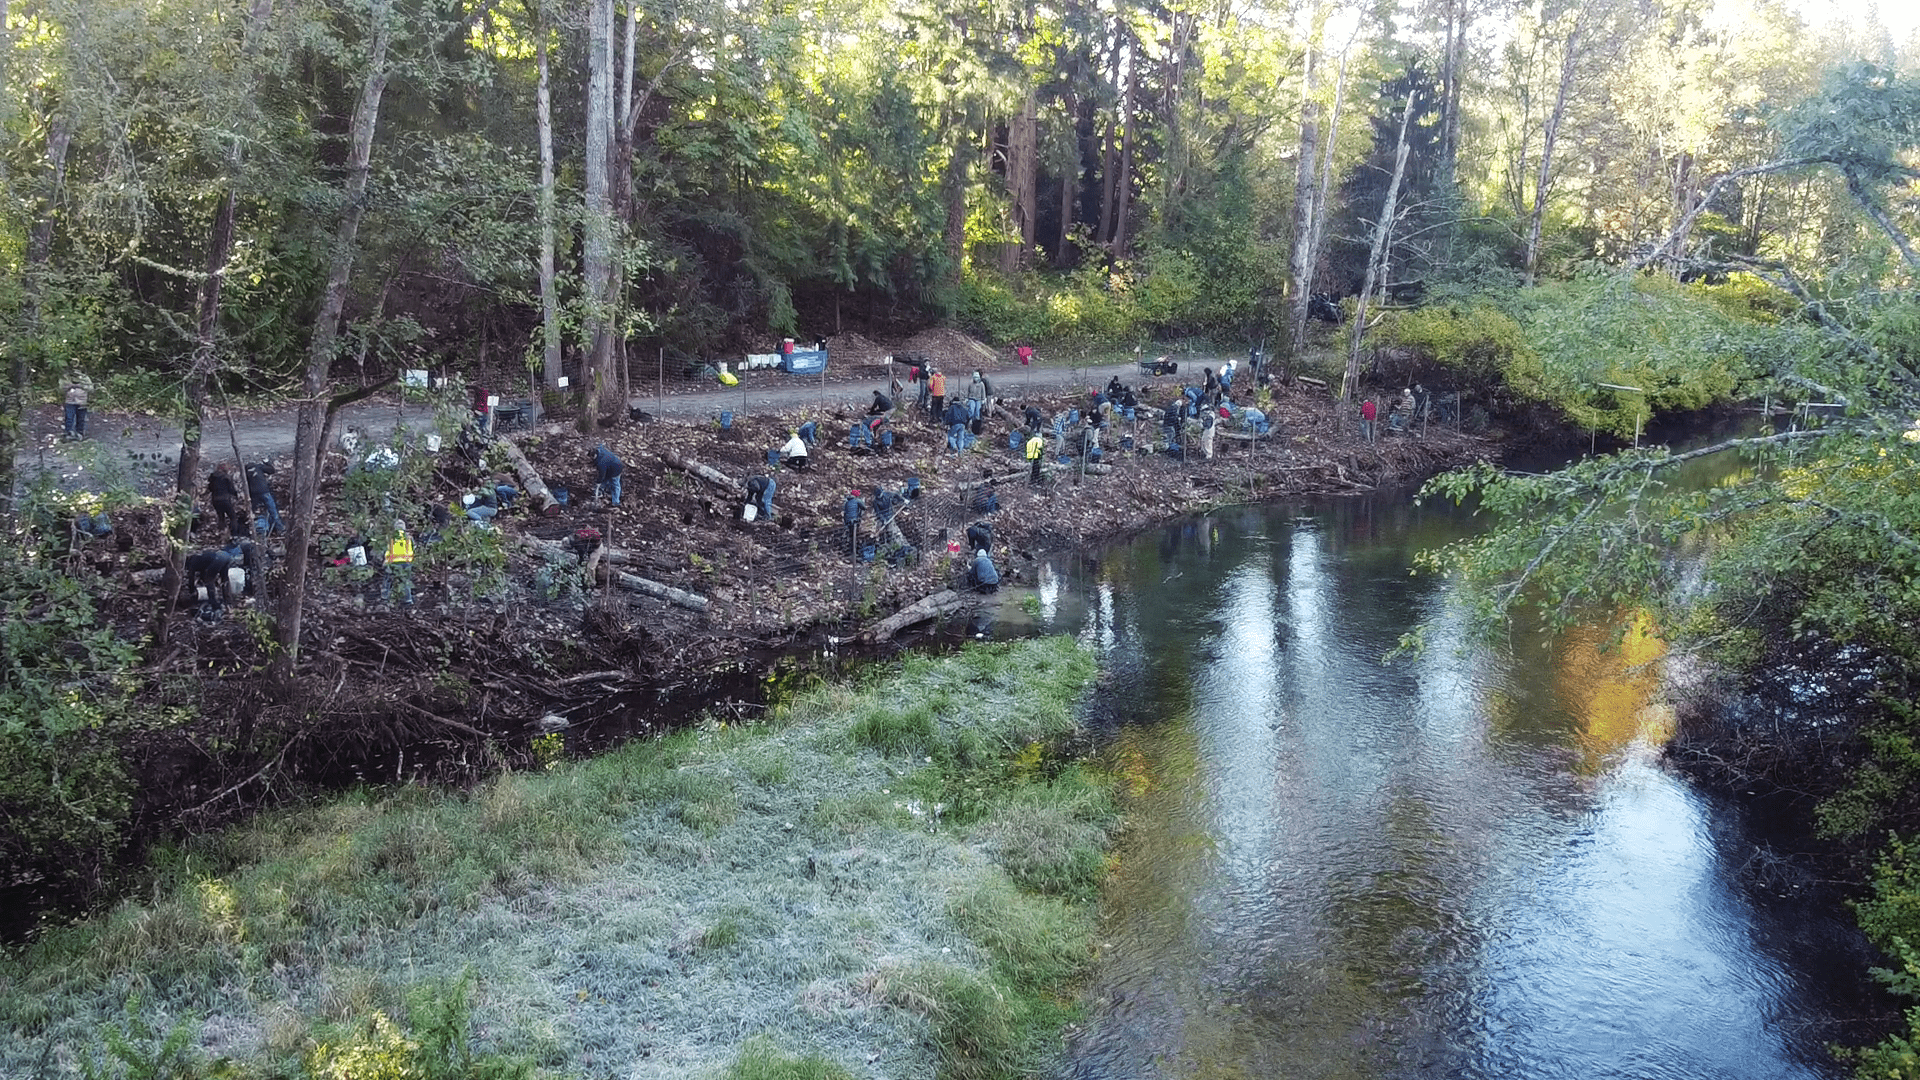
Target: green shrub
{"x":1481,"y":344}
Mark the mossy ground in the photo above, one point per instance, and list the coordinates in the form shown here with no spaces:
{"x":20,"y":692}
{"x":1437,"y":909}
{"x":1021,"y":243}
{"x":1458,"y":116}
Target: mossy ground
{"x":886,"y":879}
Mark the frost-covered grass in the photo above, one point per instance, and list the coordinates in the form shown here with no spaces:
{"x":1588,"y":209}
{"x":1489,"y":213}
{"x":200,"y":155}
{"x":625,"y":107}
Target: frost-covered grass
{"x":888,"y":879}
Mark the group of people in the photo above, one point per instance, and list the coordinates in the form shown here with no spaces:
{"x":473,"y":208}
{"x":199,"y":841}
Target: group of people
{"x":1406,"y":411}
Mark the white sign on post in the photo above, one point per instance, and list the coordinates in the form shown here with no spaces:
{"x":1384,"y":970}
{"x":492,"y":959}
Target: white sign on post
{"x":493,"y":400}
{"x":562,"y":383}
{"x":414,"y":377}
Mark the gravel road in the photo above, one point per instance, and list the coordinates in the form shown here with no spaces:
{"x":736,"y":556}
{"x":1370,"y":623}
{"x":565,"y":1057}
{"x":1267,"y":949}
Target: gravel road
{"x":148,"y":447}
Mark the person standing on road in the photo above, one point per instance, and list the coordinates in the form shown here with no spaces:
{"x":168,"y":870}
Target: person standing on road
{"x":260,"y":493}
{"x":79,"y":389}
{"x":1368,"y":410}
{"x":937,"y":389}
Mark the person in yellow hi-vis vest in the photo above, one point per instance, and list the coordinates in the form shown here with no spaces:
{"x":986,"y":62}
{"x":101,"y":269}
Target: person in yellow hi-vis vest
{"x":1036,"y":450}
{"x":399,"y":566}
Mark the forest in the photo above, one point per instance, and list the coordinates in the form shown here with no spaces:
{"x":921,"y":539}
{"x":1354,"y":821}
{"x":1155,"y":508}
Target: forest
{"x":1588,"y":214}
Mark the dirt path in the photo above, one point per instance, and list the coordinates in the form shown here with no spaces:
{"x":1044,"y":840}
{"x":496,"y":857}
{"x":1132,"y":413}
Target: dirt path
{"x":147,"y":447}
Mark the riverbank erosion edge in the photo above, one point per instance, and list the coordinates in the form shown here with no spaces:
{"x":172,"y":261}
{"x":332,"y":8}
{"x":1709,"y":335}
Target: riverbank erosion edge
{"x":890,"y":877}
{"x":512,"y":633}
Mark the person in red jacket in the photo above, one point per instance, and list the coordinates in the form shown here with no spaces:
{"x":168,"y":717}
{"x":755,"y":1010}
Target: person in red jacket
{"x":1368,"y":410}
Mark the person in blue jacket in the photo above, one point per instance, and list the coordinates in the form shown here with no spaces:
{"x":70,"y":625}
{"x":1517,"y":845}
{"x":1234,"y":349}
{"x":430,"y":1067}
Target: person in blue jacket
{"x":982,"y":576}
{"x":850,"y":512}
{"x":760,"y":491}
{"x":607,"y":469}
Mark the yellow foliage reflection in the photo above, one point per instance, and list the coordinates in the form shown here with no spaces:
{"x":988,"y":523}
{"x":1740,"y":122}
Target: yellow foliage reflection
{"x":1613,"y":689}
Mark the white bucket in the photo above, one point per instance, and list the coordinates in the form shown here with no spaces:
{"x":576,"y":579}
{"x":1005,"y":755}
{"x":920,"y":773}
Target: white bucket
{"x":199,"y":592}
{"x":357,"y":555}
{"x":236,"y":580}
{"x":749,"y":512}
{"x":433,"y":444}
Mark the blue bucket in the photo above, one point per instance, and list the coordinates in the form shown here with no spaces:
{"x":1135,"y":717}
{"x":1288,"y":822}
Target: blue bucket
{"x":726,"y":421}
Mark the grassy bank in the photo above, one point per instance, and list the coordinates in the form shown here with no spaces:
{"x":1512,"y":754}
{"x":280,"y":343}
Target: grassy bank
{"x":888,"y":879}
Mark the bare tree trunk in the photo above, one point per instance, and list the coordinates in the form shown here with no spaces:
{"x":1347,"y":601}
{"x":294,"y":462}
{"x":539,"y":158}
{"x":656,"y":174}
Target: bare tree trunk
{"x":1300,"y":265}
{"x":1681,"y":188}
{"x":1456,"y":27}
{"x":1069,"y":178}
{"x":1123,"y":193}
{"x":550,"y":367}
{"x":1350,"y":381}
{"x":1109,"y":154}
{"x":1328,"y":147}
{"x":320,"y":352}
{"x":1023,"y":149}
{"x":1544,"y":179}
{"x":205,"y":353}
{"x":597,"y":254}
{"x":39,"y":253}
{"x":1863,"y":195}
{"x":954,"y":185}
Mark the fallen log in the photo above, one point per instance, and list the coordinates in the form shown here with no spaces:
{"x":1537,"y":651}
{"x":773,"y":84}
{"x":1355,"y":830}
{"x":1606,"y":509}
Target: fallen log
{"x":975,"y":485}
{"x":649,"y":587}
{"x":944,"y":602}
{"x":600,"y":572}
{"x":539,"y":548}
{"x":709,"y":474}
{"x":530,"y":481}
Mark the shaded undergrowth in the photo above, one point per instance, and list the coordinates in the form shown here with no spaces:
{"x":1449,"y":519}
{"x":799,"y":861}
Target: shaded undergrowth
{"x":889,"y":878}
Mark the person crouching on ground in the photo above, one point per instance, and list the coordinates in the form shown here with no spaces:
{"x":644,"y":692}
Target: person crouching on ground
{"x":882,"y":404}
{"x":982,"y":575}
{"x":794,"y":454}
{"x":760,"y":491}
{"x":399,"y":566}
{"x":607,"y":469}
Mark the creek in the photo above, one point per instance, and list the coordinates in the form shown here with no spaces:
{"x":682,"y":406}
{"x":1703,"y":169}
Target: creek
{"x":1471,"y":863}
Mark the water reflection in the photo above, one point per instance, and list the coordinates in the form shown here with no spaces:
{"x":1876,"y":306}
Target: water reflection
{"x":1465,"y":864}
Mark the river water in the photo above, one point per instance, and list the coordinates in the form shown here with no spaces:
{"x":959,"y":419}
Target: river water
{"x":1471,"y":863}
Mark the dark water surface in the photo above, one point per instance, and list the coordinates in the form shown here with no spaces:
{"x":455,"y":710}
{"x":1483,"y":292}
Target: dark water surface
{"x":1468,"y":864}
